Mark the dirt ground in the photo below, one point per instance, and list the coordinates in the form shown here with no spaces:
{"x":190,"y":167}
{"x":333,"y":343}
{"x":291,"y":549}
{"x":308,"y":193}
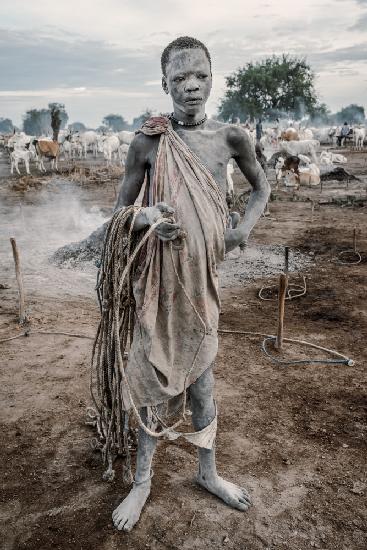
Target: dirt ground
{"x":293,"y":435}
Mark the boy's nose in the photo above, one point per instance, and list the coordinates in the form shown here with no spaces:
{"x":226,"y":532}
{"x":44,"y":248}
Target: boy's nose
{"x":192,"y":85}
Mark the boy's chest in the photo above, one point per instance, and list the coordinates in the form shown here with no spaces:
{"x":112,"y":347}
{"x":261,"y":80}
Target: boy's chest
{"x":212,"y":150}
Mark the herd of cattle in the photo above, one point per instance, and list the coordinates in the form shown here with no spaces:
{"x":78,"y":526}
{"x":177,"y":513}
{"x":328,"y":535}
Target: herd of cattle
{"x":295,"y":150}
{"x":23,"y":148}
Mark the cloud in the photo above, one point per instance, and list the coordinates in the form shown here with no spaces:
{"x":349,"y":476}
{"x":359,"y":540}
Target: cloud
{"x":95,"y":67}
{"x":361,"y":23}
{"x":37,"y":60}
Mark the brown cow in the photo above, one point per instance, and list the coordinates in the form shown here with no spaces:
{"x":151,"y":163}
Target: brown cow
{"x":46,"y":149}
{"x":289,"y":135}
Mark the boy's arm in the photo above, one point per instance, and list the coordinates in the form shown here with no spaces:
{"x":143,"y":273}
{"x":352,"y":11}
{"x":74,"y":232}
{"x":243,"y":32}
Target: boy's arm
{"x":135,"y":169}
{"x":243,"y":152}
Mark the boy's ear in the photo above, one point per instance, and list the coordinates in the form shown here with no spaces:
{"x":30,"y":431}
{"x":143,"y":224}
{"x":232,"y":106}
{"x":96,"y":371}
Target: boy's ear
{"x":164,"y":85}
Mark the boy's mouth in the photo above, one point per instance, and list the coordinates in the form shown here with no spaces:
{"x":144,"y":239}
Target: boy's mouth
{"x":193,"y":100}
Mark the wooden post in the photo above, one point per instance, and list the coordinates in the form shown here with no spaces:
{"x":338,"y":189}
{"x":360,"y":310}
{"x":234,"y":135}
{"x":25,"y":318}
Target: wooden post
{"x":283,"y":283}
{"x":18,"y":273}
{"x":321,"y":182}
{"x":312,"y":210}
{"x":355,"y":240}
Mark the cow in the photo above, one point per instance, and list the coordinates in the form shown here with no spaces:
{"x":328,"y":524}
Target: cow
{"x":305,"y":133}
{"x":125,"y":137}
{"x":305,"y":147}
{"x":328,"y":158}
{"x":89,"y":142}
{"x":290,"y":134}
{"x":46,"y":149}
{"x":359,"y":137}
{"x":20,"y":154}
{"x":123,"y":150}
{"x":110,"y":145}
{"x":309,"y":175}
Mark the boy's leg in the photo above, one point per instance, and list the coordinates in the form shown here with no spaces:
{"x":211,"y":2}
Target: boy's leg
{"x":203,"y":412}
{"x":126,"y":515}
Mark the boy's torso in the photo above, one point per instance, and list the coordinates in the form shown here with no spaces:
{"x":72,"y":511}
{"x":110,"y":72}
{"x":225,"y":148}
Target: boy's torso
{"x":210,"y":144}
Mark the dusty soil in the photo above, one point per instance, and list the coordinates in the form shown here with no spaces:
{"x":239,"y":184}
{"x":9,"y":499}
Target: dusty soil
{"x":294,"y":436}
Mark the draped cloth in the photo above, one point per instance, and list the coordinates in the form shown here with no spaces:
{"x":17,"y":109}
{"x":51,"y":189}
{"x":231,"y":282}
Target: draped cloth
{"x":175,"y":285}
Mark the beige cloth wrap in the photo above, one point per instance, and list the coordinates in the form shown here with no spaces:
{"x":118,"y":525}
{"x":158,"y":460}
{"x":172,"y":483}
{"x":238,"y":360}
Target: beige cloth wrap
{"x":167,"y":331}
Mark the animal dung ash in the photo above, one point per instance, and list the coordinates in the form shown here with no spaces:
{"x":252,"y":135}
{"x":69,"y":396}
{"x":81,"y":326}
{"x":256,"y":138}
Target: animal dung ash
{"x":337,"y":173}
{"x":258,"y":261}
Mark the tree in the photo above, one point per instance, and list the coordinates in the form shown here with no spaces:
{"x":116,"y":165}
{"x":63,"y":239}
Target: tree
{"x":77,"y":127}
{"x":59,"y":118}
{"x":321,"y":114}
{"x":353,"y":114}
{"x":267,"y":88}
{"x":115,"y":122}
{"x":39,"y":121}
{"x":139,"y":121}
{"x":6,"y":126}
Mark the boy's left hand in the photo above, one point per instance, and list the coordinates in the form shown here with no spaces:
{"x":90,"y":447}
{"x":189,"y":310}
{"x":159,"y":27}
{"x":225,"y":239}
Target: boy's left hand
{"x":234,"y":238}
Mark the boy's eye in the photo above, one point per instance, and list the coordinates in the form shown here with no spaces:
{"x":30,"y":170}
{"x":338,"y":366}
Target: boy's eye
{"x":202,"y":76}
{"x":179,"y":78}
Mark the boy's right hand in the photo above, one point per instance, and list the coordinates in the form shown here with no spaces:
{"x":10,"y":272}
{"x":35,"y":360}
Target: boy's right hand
{"x":166,"y":231}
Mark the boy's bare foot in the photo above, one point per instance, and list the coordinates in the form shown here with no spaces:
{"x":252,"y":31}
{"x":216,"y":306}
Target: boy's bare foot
{"x":127,"y":514}
{"x":231,"y":494}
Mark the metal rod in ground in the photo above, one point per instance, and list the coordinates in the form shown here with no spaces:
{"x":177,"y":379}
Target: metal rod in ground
{"x":283,"y":283}
{"x":355,"y":240}
{"x":18,"y":273}
{"x":286,"y":259}
{"x":312,"y":210}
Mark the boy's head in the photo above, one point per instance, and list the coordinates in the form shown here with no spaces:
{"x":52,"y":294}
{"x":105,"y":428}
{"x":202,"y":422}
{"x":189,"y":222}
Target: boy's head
{"x":187,"y":76}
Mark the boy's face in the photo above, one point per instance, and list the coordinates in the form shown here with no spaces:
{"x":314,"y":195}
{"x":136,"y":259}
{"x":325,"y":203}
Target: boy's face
{"x":188,"y":80}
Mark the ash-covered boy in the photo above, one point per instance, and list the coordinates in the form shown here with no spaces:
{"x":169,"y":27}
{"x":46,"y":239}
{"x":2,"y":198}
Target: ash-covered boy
{"x":182,"y":159}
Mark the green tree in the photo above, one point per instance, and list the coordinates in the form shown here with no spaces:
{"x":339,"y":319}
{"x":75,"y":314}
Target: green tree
{"x":353,"y":114}
{"x":39,"y":121}
{"x":6,"y":126}
{"x":59,"y":118}
{"x":77,"y":127}
{"x":278,"y":84}
{"x":115,"y":122}
{"x":321,"y":114}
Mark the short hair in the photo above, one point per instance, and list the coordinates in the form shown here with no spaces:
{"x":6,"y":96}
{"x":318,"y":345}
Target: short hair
{"x":183,"y":43}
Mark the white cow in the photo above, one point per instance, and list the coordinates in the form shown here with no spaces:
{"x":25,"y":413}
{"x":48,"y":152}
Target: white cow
{"x":89,"y":142}
{"x":19,"y":140}
{"x":278,"y":169}
{"x":305,"y":134}
{"x":328,"y":158}
{"x":110,"y":146}
{"x":123,"y":150}
{"x":125,"y":137}
{"x":359,"y":137}
{"x":18,"y":155}
{"x":305,"y":147}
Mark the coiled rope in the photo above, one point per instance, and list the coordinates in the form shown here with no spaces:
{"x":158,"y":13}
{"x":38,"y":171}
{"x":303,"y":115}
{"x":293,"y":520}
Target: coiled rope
{"x":114,"y":336}
{"x":293,"y":291}
{"x":342,"y":359}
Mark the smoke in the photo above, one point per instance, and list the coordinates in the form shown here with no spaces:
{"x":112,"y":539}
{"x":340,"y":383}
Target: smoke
{"x":42,"y":224}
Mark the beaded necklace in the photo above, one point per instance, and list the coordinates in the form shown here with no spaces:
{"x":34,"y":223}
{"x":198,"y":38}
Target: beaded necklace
{"x":180,"y":123}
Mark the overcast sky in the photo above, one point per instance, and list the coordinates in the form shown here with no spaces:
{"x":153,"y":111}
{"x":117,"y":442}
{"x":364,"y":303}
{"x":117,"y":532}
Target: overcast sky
{"x":103,"y":56}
